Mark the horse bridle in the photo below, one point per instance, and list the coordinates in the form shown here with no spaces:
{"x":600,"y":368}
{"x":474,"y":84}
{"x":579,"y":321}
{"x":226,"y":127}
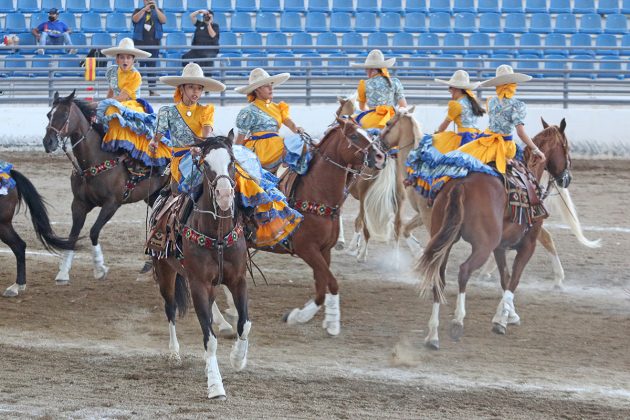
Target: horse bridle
{"x":213,"y":183}
{"x":62,"y":138}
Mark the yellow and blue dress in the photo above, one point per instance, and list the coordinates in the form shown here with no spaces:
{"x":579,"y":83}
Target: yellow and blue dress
{"x":130,"y":124}
{"x":381,"y":98}
{"x":6,"y":182}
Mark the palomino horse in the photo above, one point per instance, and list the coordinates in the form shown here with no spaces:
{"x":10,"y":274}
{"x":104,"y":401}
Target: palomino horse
{"x":215,"y":253}
{"x":474,"y":208}
{"x":9,"y":204}
{"x":98,"y":180}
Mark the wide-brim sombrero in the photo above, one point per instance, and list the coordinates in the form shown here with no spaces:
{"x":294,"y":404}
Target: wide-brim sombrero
{"x":259,"y":77}
{"x":125,"y":46}
{"x":192,"y":74}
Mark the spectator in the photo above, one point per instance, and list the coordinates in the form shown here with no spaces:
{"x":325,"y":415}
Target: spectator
{"x":206,"y":33}
{"x":11,"y":41}
{"x":53,"y":32}
{"x":147,"y":31}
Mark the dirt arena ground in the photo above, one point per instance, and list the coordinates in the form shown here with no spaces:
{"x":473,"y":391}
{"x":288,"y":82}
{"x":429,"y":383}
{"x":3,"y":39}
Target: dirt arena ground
{"x":97,"y":349}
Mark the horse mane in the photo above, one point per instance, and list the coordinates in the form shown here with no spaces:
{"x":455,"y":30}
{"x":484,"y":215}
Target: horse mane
{"x":417,"y":131}
{"x":89,"y":112}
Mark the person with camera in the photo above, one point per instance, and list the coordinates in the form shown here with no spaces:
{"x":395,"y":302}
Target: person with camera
{"x":147,"y":31}
{"x":206,"y":34}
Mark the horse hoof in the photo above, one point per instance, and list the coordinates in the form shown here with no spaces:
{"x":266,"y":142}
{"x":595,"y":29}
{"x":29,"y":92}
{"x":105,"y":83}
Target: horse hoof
{"x":499,"y":329}
{"x":100,"y":274}
{"x":289,"y":316}
{"x":10,"y":293}
{"x":456,"y":331}
{"x":432,"y":344}
{"x":332,"y":328}
{"x":146,"y":268}
{"x":60,"y":282}
{"x":217,"y":397}
{"x":339,"y":246}
{"x":174,"y":359}
{"x":226,"y":331}
{"x":558,"y":287}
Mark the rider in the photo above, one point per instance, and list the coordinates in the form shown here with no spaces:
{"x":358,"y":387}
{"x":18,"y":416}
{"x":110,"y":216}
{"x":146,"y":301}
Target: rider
{"x":380,"y":94}
{"x":259,"y":122}
{"x":6,"y":182}
{"x":130,"y":121}
{"x":190,"y":122}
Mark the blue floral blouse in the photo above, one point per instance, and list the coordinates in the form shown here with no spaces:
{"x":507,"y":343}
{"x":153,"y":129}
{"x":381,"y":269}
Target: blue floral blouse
{"x":112,"y":79}
{"x":505,"y":114}
{"x":252,"y":119}
{"x":378,"y":92}
{"x":170,"y":121}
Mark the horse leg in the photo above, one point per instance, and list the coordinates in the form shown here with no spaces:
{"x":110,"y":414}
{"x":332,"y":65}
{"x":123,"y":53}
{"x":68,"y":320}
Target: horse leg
{"x":166,"y":279}
{"x":545,"y":239}
{"x":397,"y":229}
{"x":9,"y":236}
{"x":432,"y":339}
{"x":486,"y":270}
{"x":356,"y":236}
{"x":362,"y":251}
{"x":106,"y":213}
{"x":412,"y":242}
{"x":79,"y":212}
{"x":238,"y":356}
{"x":225,"y":328}
{"x":341,"y":241}
{"x":332,"y":310}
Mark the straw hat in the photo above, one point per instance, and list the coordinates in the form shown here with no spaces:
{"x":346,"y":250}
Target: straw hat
{"x":259,"y":77}
{"x":505,"y":74}
{"x":460,"y":80}
{"x":375,"y":60}
{"x":125,"y":47}
{"x":193,"y":74}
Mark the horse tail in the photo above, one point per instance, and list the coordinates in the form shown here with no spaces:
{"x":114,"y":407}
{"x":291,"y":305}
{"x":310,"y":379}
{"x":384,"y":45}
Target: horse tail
{"x":39,"y":214}
{"x":380,"y":203}
{"x":182,"y":294}
{"x":564,"y":204}
{"x":428,"y":267}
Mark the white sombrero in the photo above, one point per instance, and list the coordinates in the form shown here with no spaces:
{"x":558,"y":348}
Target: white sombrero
{"x":460,"y":80}
{"x":375,"y":60}
{"x":259,"y":77}
{"x":505,"y":74}
{"x":192,"y":74}
{"x":125,"y":46}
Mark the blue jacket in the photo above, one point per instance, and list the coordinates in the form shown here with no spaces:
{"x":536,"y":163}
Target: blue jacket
{"x":138,"y":27}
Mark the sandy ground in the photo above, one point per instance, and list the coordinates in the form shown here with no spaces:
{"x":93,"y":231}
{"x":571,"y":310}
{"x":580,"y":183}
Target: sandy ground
{"x":97,"y":349}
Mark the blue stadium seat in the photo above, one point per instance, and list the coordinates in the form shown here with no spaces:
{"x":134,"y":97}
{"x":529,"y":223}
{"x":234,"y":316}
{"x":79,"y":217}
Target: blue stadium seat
{"x":37,"y":18}
{"x":251,"y":39}
{"x":419,"y":65}
{"x":436,"y":6}
{"x":440,"y":23}
{"x":378,"y":40}
{"x":616,"y":24}
{"x":390,"y":22}
{"x":327,"y":39}
{"x":445,"y":65}
{"x":426,"y":41}
{"x":302,"y":39}
{"x":338,"y":64}
{"x":187,"y":25}
{"x":49,"y":4}
{"x":100,"y":6}
{"x":171,"y":22}
{"x":416,"y":6}
{"x":341,"y":22}
{"x":581,"y":40}
{"x":219,"y":18}
{"x":583,"y":6}
{"x":15,"y":23}
{"x":27,"y":6}
{"x":196,"y":5}
{"x":119,"y":37}
{"x":504,"y":40}
{"x":15,"y":65}
{"x":481,"y":44}
{"x":365,"y":22}
{"x":536,"y":6}
{"x":531,"y":40}
{"x":124,"y":6}
{"x":312,"y":60}
{"x":286,"y":61}
{"x":565,"y":24}
{"x":229,"y":43}
{"x":583,"y":69}
{"x":241,"y":22}
{"x":497,"y":60}
{"x":488,"y":6}
{"x":172,"y":6}
{"x":606,"y":40}
{"x":465,"y":22}
{"x":454,"y":40}
{"x":91,"y":22}
{"x":41,"y":65}
{"x":403,"y":39}
{"x":354,"y":40}
{"x":611,"y":67}
{"x":257,"y":59}
{"x":272,"y":6}
{"x":415,"y":23}
{"x":280,"y":41}
{"x":540,"y":23}
{"x":528,"y":64}
{"x":245,"y":6}
{"x":295,"y":6}
{"x":78,"y":39}
{"x":176,"y":39}
{"x":556,"y":40}
{"x":316,"y":22}
{"x":560,"y":6}
{"x":342,"y":6}
{"x":322,"y":6}
{"x":515,"y":23}
{"x":70,"y":66}
{"x":116,"y":22}
{"x":291,"y":22}
{"x":393,"y":6}
{"x":101,"y":40}
{"x":464,"y":6}
{"x":606,"y":7}
{"x":6,"y":6}
{"x":232,"y":64}
{"x":556,"y":62}
{"x":27,"y":40}
{"x":366,"y":6}
{"x":69,"y":19}
{"x":625,"y":6}
{"x":625,"y":42}
{"x":512,"y":6}
{"x":223,"y":6}
{"x":591,"y":24}
{"x":490,"y":23}
{"x":266,"y":22}
{"x":473,"y":63}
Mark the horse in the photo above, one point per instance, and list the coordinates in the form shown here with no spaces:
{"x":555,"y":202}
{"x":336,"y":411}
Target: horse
{"x":473,"y":208}
{"x":25,"y":191}
{"x":99,"y":178}
{"x":215,"y":252}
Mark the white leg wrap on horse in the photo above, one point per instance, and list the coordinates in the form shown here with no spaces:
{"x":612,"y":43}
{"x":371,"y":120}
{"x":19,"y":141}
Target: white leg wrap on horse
{"x":506,"y":313}
{"x":173,"y":344}
{"x":434,"y":323}
{"x":63,"y":276}
{"x":231,"y":310}
{"x":332,"y":314}
{"x":14,"y":290}
{"x":558,"y":271}
{"x":460,"y":309}
{"x":341,"y":241}
{"x":100,"y":269}
{"x":414,"y":245}
{"x":238,"y":356}
{"x":363,"y":252}
{"x":215,"y":382}
{"x":301,"y":316}
{"x":354,"y":243}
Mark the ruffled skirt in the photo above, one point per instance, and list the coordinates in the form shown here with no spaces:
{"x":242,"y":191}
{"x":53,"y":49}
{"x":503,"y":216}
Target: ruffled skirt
{"x":268,"y":146}
{"x":6,"y":182}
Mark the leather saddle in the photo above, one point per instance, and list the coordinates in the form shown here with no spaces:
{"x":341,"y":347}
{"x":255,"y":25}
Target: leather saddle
{"x":524,"y":195}
{"x":165,"y":221}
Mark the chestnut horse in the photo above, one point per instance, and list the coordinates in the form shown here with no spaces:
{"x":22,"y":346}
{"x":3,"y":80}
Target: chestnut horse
{"x":215,"y":253}
{"x":9,"y":205}
{"x":474,"y":208}
{"x":98,"y":179}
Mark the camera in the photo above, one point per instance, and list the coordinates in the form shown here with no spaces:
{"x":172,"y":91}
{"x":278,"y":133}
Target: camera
{"x":206,"y":16}
{"x":152,"y":7}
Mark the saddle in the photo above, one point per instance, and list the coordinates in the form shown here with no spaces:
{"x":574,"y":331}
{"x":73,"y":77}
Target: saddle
{"x":524,"y":195}
{"x":169,"y":213}
{"x":138,"y":172}
{"x":288,"y":184}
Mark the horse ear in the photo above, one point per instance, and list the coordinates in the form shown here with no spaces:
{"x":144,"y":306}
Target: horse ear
{"x":341,"y":99}
{"x":56,"y":97}
{"x":563,"y":125}
{"x":230,"y":137}
{"x":544,"y":123}
{"x":411,"y":109}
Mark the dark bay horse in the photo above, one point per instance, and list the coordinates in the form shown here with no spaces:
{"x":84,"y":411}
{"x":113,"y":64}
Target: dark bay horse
{"x":98,"y":179}
{"x":9,"y":205}
{"x":474,"y":209}
{"x":214,"y":253}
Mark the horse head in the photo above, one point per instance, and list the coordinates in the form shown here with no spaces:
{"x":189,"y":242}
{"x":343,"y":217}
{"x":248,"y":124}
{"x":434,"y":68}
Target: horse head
{"x":402,"y":130}
{"x":60,"y":121}
{"x":218,"y":169}
{"x":358,"y":149}
{"x":554,"y":144}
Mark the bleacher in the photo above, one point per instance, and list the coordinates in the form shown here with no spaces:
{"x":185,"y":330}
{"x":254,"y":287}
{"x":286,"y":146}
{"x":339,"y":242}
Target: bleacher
{"x":430,"y":37}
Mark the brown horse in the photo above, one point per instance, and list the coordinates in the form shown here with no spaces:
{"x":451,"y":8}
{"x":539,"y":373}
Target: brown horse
{"x":214,"y":253}
{"x":474,"y":209}
{"x":99,"y":178}
{"x":9,"y":205}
